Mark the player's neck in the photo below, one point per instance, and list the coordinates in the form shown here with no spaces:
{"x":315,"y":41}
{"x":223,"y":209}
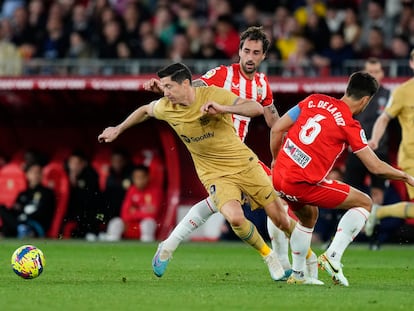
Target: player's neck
{"x":248,"y":76}
{"x":190,"y":98}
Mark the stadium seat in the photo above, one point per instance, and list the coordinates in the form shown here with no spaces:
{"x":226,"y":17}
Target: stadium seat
{"x":151,"y":159}
{"x":101,"y":162}
{"x":12,"y":182}
{"x":54,"y":177}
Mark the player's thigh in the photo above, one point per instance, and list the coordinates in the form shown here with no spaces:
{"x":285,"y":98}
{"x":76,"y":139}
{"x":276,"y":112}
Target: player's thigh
{"x":223,"y":190}
{"x":257,"y":186}
{"x":356,"y":198}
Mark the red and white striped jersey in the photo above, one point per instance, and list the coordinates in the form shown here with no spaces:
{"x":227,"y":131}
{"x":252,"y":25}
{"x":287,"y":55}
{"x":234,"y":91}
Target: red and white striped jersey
{"x":232,"y":78}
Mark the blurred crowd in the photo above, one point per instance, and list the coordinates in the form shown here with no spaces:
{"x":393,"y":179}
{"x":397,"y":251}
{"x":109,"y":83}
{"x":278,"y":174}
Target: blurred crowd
{"x":306,"y":35}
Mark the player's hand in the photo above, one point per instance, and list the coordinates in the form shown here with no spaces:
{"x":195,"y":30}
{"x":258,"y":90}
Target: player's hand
{"x":410,"y":180}
{"x":373,"y":144}
{"x":213,"y":108}
{"x":109,"y":134}
{"x":153,"y":85}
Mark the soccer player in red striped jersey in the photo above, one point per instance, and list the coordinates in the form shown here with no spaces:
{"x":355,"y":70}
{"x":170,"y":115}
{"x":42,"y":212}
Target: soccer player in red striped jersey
{"x":244,"y":80}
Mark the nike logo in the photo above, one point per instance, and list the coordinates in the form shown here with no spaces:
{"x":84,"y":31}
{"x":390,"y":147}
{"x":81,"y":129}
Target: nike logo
{"x":333,"y":269}
{"x":268,"y":196}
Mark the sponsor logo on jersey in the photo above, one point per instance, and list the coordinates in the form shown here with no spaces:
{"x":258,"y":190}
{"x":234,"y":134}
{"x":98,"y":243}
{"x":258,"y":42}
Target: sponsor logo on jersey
{"x":296,"y":154}
{"x":235,"y":85}
{"x":196,"y":139}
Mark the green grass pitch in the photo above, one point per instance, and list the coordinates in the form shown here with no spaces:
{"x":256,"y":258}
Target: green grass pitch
{"x":202,"y":276}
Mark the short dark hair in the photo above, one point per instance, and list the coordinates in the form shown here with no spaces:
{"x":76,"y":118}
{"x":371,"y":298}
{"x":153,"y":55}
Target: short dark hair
{"x":361,"y":84}
{"x":177,"y":71}
{"x":257,"y":34}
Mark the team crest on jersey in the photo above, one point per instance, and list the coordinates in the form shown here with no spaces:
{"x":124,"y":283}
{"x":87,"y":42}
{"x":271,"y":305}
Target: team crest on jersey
{"x":363,"y":136}
{"x":204,"y":120}
{"x":259,"y":91}
{"x":209,"y":73}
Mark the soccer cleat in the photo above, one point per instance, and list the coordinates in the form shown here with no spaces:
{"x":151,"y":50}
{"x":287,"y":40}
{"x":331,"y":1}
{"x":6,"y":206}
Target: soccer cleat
{"x":159,"y":266}
{"x":301,"y":279}
{"x":276,"y":270}
{"x":372,"y":221}
{"x":333,"y":269}
{"x":312,"y":266}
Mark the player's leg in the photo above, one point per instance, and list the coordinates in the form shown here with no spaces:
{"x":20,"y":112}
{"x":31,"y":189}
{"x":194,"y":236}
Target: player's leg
{"x":359,"y":206}
{"x":300,"y":241}
{"x":249,"y":234}
{"x":401,"y":210}
{"x":196,"y":216}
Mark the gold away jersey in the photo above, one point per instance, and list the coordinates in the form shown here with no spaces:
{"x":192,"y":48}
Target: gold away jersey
{"x":212,"y":140}
{"x":401,"y":105}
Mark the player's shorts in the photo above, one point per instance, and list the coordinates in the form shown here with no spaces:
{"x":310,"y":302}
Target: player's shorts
{"x":266,"y":168}
{"x":327,"y":194}
{"x":252,"y":182}
{"x":410,"y":190}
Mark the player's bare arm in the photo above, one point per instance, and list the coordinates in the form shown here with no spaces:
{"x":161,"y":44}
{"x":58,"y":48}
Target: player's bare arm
{"x":139,"y":115}
{"x":271,"y":115}
{"x":381,"y":168}
{"x":378,"y":130}
{"x":277,"y":133}
{"x":243,"y":107}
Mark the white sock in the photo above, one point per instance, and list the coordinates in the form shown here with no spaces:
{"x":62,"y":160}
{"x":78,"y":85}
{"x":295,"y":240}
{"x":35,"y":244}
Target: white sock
{"x":349,"y":226}
{"x":148,"y":227}
{"x":196,"y":216}
{"x":115,"y":229}
{"x":300,"y":241}
{"x":280,"y":243}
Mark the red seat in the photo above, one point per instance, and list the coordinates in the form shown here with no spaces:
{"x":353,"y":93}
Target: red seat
{"x":54,"y":177}
{"x":101,"y":162}
{"x":12,"y":182}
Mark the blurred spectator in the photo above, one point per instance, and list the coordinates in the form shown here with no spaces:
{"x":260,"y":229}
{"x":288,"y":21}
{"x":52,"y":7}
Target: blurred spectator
{"x":310,"y":7}
{"x":112,"y":43}
{"x":10,"y":59}
{"x":400,"y":48}
{"x":227,"y":37}
{"x":152,"y":47}
{"x":139,"y":210}
{"x":250,"y":16}
{"x":32,"y":213}
{"x":79,"y":47}
{"x":164,"y":24}
{"x":80,"y":20}
{"x":299,"y":63}
{"x":208,"y":48}
{"x":117,"y":182}
{"x":56,"y":43}
{"x":351,"y":28}
{"x":317,"y":31}
{"x":22,"y":34}
{"x":334,"y":17}
{"x":133,"y":16}
{"x":288,"y":44}
{"x":375,"y":46}
{"x":411,"y":31}
{"x":375,"y":17}
{"x":334,"y":56}
{"x":85,"y":198}
{"x":37,"y":19}
{"x":180,"y":48}
{"x":217,"y":8}
{"x":194,"y":33}
{"x":280,"y":21}
{"x":403,"y":18}
{"x":9,"y":7}
{"x":356,"y":173}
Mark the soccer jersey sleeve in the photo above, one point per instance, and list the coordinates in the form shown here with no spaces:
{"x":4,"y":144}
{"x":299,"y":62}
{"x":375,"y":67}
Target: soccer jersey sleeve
{"x":268,"y":100}
{"x":215,"y":76}
{"x":394,"y":105}
{"x":356,"y":136}
{"x":157,"y":110}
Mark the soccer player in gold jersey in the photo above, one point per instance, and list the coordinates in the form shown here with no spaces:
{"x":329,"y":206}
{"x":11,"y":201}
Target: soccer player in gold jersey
{"x":201,"y":117}
{"x":401,"y":106}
